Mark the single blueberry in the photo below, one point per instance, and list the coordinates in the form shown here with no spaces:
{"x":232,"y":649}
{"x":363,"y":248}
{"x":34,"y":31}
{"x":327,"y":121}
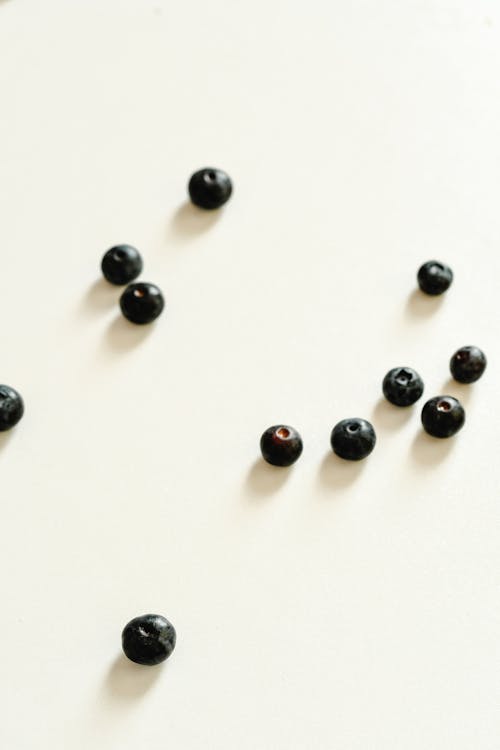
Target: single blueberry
{"x":353,"y":439}
{"x":434,"y":277}
{"x":443,"y":416}
{"x":210,"y":188}
{"x":402,"y":386}
{"x":468,"y":364}
{"x":281,"y":445}
{"x":11,"y":407}
{"x":148,"y":639}
{"x":142,"y":302}
{"x":121,"y":264}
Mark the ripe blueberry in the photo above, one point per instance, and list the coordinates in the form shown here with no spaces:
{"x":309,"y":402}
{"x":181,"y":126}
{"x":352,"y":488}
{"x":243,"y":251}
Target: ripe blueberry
{"x":142,"y":302}
{"x":121,"y":264}
{"x":148,"y":639}
{"x":281,"y":445}
{"x":434,"y":277}
{"x":402,"y":386}
{"x":210,"y":188}
{"x":11,"y":407}
{"x":443,"y":416}
{"x":468,"y":364}
{"x":353,"y":439}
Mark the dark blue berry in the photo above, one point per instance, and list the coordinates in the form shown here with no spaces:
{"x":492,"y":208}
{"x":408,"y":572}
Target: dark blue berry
{"x":210,"y":188}
{"x":281,"y":445}
{"x":443,"y":416}
{"x":142,"y":302}
{"x":148,"y":639}
{"x":121,"y":264}
{"x":11,"y":407}
{"x":468,"y":364}
{"x":402,"y":386}
{"x":353,"y":439}
{"x":434,"y":277}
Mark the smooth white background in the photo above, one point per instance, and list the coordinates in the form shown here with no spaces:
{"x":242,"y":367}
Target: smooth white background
{"x":328,"y":606}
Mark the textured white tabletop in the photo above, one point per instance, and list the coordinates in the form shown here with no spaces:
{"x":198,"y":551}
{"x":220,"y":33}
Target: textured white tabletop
{"x":331,"y":606}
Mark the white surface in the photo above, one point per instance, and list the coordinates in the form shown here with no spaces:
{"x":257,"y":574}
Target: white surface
{"x":338,"y":606}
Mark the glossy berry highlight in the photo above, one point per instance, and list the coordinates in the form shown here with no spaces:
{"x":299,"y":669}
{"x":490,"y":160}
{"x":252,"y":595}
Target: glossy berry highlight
{"x":210,"y":188}
{"x":443,"y":416}
{"x":353,"y":439}
{"x":121,"y":264}
{"x":142,"y":302}
{"x":11,"y":407}
{"x":148,"y":639}
{"x":402,"y":386}
{"x":468,"y":364}
{"x":281,"y":445}
{"x":434,"y":277}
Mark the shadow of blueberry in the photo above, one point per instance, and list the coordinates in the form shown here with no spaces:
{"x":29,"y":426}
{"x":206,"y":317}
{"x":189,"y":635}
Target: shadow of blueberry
{"x":263,"y":479}
{"x":100,"y":296}
{"x":386,"y":416}
{"x":462,"y":391}
{"x":127,"y":681}
{"x":420,"y":306}
{"x":337,"y":474}
{"x":189,"y":221}
{"x":121,"y":336}
{"x":5,"y":438}
{"x":430,"y":451}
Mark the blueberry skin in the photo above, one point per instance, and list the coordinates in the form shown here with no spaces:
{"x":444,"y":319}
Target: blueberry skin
{"x":434,"y":277}
{"x":402,"y":386}
{"x":148,"y":639}
{"x":443,"y":416}
{"x":353,"y":439}
{"x":121,"y":264}
{"x":468,"y":364}
{"x":11,"y":407}
{"x":210,"y":188}
{"x":142,"y":302}
{"x":281,"y":445}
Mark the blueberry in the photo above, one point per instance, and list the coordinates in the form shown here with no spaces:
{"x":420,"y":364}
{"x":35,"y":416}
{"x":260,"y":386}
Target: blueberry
{"x":402,"y":386}
{"x":11,"y":407}
{"x":353,"y":439}
{"x":468,"y":364}
{"x":281,"y":445}
{"x":121,"y":264}
{"x":443,"y":416}
{"x":148,"y":639}
{"x":142,"y":302}
{"x":434,"y":277}
{"x":210,"y":188}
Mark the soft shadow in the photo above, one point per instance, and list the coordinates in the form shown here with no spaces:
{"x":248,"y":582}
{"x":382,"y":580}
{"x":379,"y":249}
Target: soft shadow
{"x":430,"y":451}
{"x":122,"y":336}
{"x":462,"y":391}
{"x":263,"y":479}
{"x":101,"y":295}
{"x":5,"y":437}
{"x":336,"y":473}
{"x":389,"y":417}
{"x":190,"y":221}
{"x":420,"y":306}
{"x":127,"y":681}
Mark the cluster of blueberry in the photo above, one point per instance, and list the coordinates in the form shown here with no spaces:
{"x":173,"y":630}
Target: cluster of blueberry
{"x":142,"y":302}
{"x":442,"y":416}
